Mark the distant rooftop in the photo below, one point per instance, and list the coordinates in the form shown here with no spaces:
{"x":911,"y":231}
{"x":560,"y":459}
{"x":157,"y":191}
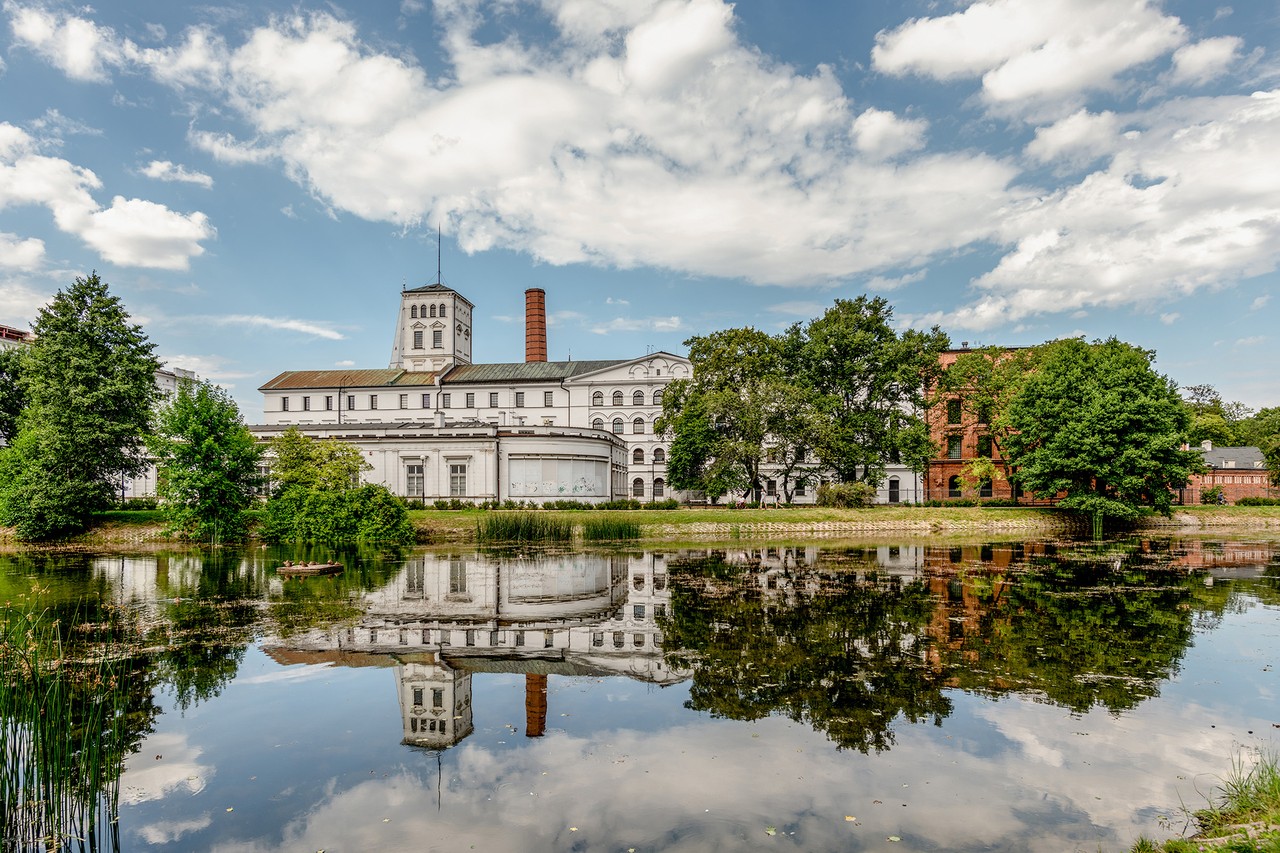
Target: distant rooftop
{"x":1232,"y":457}
{"x":376,"y":378}
{"x":524,"y":371}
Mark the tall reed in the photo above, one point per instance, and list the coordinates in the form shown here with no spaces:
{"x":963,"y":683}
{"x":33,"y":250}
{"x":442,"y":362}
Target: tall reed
{"x":602,"y":529}
{"x":62,"y":714}
{"x":522,"y":527}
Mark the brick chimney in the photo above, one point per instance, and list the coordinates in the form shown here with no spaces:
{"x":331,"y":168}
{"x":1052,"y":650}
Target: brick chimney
{"x":535,"y":324}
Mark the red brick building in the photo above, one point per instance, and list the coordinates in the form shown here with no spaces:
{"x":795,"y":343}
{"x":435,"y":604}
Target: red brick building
{"x":1240,"y":472}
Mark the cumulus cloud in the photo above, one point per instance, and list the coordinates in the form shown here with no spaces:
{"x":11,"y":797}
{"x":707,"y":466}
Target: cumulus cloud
{"x":164,"y":170}
{"x":131,"y":232}
{"x":880,"y":133}
{"x":78,"y":47}
{"x":17,"y":253}
{"x":1032,"y":50}
{"x":1076,"y":140}
{"x":1198,"y":63}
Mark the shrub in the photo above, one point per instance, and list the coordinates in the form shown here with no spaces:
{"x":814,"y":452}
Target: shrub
{"x":1258,"y":502}
{"x":1212,"y":495}
{"x":846,"y":495}
{"x":625,"y":503}
{"x":669,"y":503}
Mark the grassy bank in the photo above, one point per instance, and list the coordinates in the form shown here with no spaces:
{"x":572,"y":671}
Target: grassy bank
{"x":1243,"y":817}
{"x":145,"y":528}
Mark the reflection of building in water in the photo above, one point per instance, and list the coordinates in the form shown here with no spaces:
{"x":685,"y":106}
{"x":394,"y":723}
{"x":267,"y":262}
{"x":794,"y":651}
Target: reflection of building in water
{"x":447,"y":616}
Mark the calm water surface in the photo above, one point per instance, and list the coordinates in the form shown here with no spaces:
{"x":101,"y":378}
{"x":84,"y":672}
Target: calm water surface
{"x":1033,"y":696}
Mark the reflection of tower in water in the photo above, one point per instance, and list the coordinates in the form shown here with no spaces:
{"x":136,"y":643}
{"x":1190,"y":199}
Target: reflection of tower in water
{"x":435,"y":702}
{"x":535,"y":704}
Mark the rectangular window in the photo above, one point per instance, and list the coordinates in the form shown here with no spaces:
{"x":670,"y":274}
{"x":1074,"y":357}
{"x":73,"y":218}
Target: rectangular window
{"x":984,"y":413}
{"x":437,"y":697}
{"x":637,"y":611}
{"x":437,"y":339}
{"x":284,"y":404}
{"x":548,"y":398}
{"x":457,"y":479}
{"x":306,"y":404}
{"x":800,"y":489}
{"x":351,"y":402}
{"x":471,"y":400}
{"x":426,"y":401}
{"x":953,"y":447}
{"x":519,"y":399}
{"x":953,"y":411}
{"x":417,"y":340}
{"x":445,"y":399}
{"x":404,"y":401}
{"x":493,"y":399}
{"x":771,"y":488}
{"x":373,"y":401}
{"x":328,"y":403}
{"x":984,"y":446}
{"x":417,"y":697}
{"x":414,"y":480}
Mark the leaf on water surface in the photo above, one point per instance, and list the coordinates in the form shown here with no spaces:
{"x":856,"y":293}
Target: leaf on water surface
{"x":850,"y":817}
{"x":770,"y":830}
{"x":894,"y":838}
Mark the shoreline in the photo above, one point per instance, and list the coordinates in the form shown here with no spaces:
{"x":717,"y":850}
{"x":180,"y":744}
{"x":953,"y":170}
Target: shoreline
{"x":714,"y":524}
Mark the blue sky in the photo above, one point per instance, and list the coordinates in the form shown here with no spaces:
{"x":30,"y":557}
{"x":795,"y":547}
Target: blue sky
{"x":258,"y":181}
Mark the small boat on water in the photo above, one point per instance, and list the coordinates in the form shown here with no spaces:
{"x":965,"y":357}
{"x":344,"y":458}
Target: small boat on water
{"x":300,"y":570}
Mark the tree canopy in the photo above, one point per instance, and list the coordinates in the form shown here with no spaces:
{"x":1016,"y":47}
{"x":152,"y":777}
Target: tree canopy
{"x":89,"y":382}
{"x":1097,"y":425}
{"x":206,"y":462}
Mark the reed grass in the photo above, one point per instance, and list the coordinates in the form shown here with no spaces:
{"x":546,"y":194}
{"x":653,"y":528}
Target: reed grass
{"x":61,"y":715}
{"x":522,"y":527}
{"x":1243,"y":816}
{"x":609,"y":528}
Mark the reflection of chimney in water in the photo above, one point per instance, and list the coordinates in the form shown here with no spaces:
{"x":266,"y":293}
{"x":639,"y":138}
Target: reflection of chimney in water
{"x":535,"y":324}
{"x":535,"y":705}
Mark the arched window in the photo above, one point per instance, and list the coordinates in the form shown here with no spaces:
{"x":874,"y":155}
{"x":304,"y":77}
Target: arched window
{"x":637,"y":456}
{"x":637,"y":399}
{"x":659,"y":488}
{"x":597,"y":399}
{"x":413,"y":311}
{"x":659,"y":455}
{"x":984,"y":488}
{"x":953,"y":487}
{"x":657,"y":397}
{"x":617,"y":398}
{"x":895,"y":490}
{"x":433,"y":310}
{"x":637,"y":426}
{"x":617,"y":426}
{"x":598,"y":423}
{"x":637,"y":488}
{"x":442,"y":311}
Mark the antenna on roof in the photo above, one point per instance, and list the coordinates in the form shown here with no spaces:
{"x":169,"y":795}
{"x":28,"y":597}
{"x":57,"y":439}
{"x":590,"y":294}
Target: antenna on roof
{"x":439,"y":279}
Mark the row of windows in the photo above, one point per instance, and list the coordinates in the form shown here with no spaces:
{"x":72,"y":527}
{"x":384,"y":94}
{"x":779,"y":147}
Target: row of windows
{"x":637,"y":425}
{"x":659,"y":456}
{"x":637,"y":398}
{"x":437,"y":339}
{"x":954,"y":412}
{"x":954,"y":450}
{"x":415,"y":480}
{"x":659,"y":487}
{"x":445,"y":400}
{"x":955,"y":488}
{"x":415,"y":311}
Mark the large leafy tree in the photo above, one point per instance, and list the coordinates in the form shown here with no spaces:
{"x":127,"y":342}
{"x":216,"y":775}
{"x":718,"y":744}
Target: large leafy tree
{"x":1211,"y":418}
{"x":1262,"y":430}
{"x":89,"y":380}
{"x":871,"y":384}
{"x":12,"y":397}
{"x":1097,"y":425}
{"x":206,"y":461}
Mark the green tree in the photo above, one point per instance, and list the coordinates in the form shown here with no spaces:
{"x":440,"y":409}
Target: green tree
{"x":871,"y":384}
{"x":1262,"y":431}
{"x":206,"y":462}
{"x":299,"y":460}
{"x":12,"y":398}
{"x":693,"y":463}
{"x":1211,"y":418}
{"x":89,"y":380}
{"x":1096,"y":424}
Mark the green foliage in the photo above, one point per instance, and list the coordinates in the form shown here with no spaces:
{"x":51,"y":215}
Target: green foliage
{"x":522,"y":527}
{"x":89,"y":382}
{"x":1211,"y":495}
{"x":846,"y":495}
{"x":1096,"y":424}
{"x":316,"y":496}
{"x":605,"y":529}
{"x":1262,"y":431}
{"x":1258,"y":502}
{"x":206,"y":462}
{"x":12,"y":398}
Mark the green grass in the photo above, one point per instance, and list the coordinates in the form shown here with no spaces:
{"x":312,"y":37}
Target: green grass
{"x":130,"y":516}
{"x":504,"y":527}
{"x":1242,"y":817}
{"x":61,"y":711}
{"x":606,"y":529}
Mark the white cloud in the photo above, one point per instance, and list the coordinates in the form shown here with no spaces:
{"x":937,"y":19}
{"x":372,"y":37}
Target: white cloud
{"x":131,"y":232}
{"x":1170,"y":318}
{"x":1198,"y":63}
{"x":612,"y":301}
{"x":639,"y":324}
{"x":19,"y":301}
{"x":1251,"y":341}
{"x":17,"y":253}
{"x":1032,"y":50}
{"x":1077,"y":140}
{"x":346,"y":362}
{"x":286,"y":324}
{"x":164,"y":170}
{"x":211,"y":367}
{"x":881,"y":283}
{"x":880,"y":133}
{"x":78,"y":47}
{"x":1259,"y":302}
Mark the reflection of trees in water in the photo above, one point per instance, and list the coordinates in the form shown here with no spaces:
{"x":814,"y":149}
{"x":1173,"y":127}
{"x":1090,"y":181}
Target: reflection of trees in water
{"x":841,"y":651}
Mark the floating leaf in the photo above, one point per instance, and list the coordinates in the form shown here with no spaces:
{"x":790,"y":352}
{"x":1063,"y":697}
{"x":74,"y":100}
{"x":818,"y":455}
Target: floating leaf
{"x":770,"y":830}
{"x":894,"y":838}
{"x":850,"y":817}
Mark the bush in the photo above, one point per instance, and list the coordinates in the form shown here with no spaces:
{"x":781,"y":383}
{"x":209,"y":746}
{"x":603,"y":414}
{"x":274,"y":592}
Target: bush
{"x":846,"y":495}
{"x":369,"y":513}
{"x":625,"y":503}
{"x":669,"y":503}
{"x":140,"y":503}
{"x":1258,"y":502}
{"x":1212,"y":495}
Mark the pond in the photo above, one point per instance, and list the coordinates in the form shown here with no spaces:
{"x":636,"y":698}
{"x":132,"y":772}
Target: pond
{"x":1041,"y":696}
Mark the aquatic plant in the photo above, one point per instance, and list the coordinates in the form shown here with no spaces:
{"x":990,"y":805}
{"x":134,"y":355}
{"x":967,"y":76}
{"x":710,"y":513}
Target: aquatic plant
{"x":522,"y":527}
{"x":1243,"y":816}
{"x":602,"y":529}
{"x":63,"y":726}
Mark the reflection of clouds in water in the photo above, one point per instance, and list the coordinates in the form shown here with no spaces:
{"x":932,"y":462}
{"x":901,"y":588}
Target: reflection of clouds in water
{"x":712,"y":785}
{"x":177,"y":770}
{"x":306,"y":672}
{"x":167,"y":831}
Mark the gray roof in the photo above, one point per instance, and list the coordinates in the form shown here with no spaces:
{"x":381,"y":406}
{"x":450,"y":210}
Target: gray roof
{"x":524,"y":371}
{"x":307,"y":379}
{"x":1234,"y":457}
